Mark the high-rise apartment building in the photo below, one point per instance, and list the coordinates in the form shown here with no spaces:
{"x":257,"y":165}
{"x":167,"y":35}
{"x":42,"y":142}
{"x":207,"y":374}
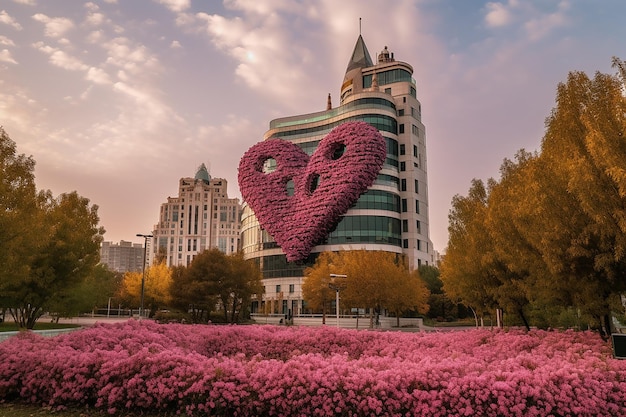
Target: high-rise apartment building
{"x":201,"y":217}
{"x":122,"y":257}
{"x":393,"y":214}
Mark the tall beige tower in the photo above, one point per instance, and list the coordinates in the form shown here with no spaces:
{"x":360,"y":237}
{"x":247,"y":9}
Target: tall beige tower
{"x":200,"y":217}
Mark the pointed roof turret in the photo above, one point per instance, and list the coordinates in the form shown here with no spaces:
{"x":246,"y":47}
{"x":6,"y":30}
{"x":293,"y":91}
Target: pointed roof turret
{"x":360,"y":56}
{"x":203,"y":174}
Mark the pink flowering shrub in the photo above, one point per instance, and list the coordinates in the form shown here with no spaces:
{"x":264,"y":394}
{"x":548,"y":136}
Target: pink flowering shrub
{"x":326,"y":185}
{"x":302,"y":371}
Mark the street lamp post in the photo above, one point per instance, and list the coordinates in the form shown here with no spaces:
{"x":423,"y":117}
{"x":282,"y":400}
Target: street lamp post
{"x":337,"y":287}
{"x":143,"y":269}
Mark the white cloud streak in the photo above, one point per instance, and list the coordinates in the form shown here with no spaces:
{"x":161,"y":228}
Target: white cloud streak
{"x":8,"y":20}
{"x":55,"y":27}
{"x":5,"y":56}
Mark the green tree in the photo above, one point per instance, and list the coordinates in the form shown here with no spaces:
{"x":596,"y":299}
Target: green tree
{"x":440,"y":305}
{"x":67,"y":250}
{"x":19,"y":211}
{"x":191,"y":292}
{"x":94,"y":291}
{"x":244,"y":282}
{"x":218,"y":280}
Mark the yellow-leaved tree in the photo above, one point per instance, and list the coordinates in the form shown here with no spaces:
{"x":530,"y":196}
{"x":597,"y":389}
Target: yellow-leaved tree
{"x":315,"y":288}
{"x":375,"y":280}
{"x":156,"y":287}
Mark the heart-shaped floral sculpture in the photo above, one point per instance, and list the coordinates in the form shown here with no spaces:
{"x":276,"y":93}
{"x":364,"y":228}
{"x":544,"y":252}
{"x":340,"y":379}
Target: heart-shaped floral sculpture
{"x":345,"y":163}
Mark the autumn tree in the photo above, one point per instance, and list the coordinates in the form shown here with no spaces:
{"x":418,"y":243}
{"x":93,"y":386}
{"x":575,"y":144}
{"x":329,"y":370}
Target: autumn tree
{"x":407,"y":292}
{"x":158,"y":279}
{"x":316,"y":289}
{"x":375,"y":280}
{"x":465,"y":276}
{"x":585,"y":152}
{"x":552,"y":233}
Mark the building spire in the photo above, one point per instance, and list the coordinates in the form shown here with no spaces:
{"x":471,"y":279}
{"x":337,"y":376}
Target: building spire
{"x":329,"y":103}
{"x":360,"y":56}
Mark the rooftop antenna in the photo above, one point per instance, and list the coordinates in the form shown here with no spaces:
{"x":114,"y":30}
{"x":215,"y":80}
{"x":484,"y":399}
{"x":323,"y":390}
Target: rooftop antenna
{"x":359,"y":26}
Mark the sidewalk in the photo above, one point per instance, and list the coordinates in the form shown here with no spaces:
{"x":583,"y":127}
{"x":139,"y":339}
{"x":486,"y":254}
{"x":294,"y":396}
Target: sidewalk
{"x":87,"y":321}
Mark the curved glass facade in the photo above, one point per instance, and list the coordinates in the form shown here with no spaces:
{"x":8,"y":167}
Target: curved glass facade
{"x":362,"y":103}
{"x":366,"y":229}
{"x":378,"y":200}
{"x":389,"y":77}
{"x":381,"y":122}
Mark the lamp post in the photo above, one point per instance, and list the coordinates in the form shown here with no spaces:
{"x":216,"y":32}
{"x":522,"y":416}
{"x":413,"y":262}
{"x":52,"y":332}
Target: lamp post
{"x":337,"y":287}
{"x":143,"y":269}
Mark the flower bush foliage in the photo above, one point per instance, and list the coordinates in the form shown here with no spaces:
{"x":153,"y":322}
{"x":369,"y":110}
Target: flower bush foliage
{"x":326,"y":185}
{"x":291,"y":371}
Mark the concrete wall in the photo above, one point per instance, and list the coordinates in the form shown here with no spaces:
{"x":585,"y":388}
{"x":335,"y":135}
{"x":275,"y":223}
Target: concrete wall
{"x":45,"y":333}
{"x":344,"y":322}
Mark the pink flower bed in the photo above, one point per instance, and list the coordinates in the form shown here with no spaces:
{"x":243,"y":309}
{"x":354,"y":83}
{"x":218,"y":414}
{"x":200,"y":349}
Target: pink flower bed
{"x":297,"y":371}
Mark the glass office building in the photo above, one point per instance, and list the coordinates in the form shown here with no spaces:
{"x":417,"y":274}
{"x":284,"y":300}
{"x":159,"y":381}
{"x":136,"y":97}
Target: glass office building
{"x":392,"y":215}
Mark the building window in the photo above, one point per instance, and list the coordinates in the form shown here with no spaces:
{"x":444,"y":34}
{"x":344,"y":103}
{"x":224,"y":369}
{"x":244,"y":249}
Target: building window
{"x":402,"y":166}
{"x":405,"y":226}
{"x":419,"y":244}
{"x":278,"y":289}
{"x":417,"y":206}
{"x":403,"y":184}
{"x":387,"y":90}
{"x":417,"y":187}
{"x":404,"y":205}
{"x":400,"y":112}
{"x":419,"y":226}
{"x":401,"y":128}
{"x":415,"y":151}
{"x":402,"y":149}
{"x":415,"y":130}
{"x":292,"y":288}
{"x":405,"y":243}
{"x":413,"y":92}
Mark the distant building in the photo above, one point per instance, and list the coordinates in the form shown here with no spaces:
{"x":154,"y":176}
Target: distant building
{"x":392,"y":215}
{"x":122,"y":257}
{"x":201,"y":217}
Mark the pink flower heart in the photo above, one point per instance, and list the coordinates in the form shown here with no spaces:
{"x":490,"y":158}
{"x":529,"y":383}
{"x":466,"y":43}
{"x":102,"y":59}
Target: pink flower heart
{"x":345,"y":163}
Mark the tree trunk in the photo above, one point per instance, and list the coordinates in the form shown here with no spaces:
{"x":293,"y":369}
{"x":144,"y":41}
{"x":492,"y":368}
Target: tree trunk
{"x":233,"y":315}
{"x":523,"y":317}
{"x":608,"y":326}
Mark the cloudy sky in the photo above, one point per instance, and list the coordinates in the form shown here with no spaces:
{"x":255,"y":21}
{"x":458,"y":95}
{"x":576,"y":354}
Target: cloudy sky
{"x":118,"y":99}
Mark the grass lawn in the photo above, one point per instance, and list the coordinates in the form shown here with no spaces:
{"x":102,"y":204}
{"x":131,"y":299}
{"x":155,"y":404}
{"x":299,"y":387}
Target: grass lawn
{"x":25,"y":410}
{"x":20,"y":410}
